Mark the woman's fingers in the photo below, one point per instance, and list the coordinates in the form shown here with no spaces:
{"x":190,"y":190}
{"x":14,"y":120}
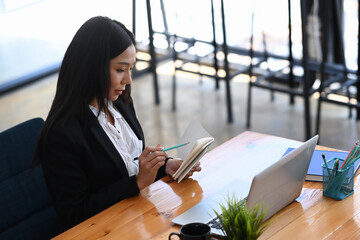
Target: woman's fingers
{"x":155,"y":159}
{"x":196,"y":168}
{"x":150,"y":160}
{"x":156,"y":162}
{"x":149,"y":150}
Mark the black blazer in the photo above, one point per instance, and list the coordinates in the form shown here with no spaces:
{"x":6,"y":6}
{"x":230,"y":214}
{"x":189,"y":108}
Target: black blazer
{"x":84,"y":172}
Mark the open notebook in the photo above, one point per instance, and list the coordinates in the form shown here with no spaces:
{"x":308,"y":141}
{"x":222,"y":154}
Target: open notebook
{"x":199,"y":141}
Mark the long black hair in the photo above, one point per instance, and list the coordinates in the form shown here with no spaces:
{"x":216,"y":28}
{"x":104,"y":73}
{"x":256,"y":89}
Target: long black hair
{"x":85,"y":72}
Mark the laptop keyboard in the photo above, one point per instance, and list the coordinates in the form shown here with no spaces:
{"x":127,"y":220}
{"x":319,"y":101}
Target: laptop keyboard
{"x":215,"y":223}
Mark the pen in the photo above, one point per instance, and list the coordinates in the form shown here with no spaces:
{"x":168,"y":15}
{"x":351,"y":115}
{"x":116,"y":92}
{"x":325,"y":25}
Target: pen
{"x":177,"y":146}
{"x":323,"y":156}
{"x":352,"y":153}
{"x":336,"y":166}
{"x":325,"y":162}
{"x":167,"y":149}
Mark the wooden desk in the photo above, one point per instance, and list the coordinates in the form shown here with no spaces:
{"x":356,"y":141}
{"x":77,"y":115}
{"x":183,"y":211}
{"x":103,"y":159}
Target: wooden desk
{"x":149,"y":215}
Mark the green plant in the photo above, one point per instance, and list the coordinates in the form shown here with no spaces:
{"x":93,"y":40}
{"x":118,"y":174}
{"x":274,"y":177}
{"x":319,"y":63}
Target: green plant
{"x":239,"y":222}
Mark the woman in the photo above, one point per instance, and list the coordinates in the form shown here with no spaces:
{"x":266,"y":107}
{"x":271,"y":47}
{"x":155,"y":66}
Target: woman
{"x":92,"y":146}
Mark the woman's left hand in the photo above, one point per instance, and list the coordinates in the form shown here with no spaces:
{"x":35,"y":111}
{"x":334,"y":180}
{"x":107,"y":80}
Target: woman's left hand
{"x":172,"y":166}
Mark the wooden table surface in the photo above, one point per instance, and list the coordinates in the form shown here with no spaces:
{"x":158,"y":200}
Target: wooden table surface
{"x":149,"y":215}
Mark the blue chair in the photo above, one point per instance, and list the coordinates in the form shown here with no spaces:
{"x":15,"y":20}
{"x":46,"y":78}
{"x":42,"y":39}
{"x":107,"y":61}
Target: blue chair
{"x":25,"y":205}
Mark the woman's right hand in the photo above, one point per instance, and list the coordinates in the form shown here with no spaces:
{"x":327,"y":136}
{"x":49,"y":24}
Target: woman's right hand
{"x":150,"y":160}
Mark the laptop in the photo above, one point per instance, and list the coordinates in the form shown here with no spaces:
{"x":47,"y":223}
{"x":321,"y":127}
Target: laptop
{"x":276,"y":187}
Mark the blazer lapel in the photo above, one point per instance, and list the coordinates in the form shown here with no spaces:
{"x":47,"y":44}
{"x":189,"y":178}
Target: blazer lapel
{"x":128,"y":112}
{"x":106,"y":143}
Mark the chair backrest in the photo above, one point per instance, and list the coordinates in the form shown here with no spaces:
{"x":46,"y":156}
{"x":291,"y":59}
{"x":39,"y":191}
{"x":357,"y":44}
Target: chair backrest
{"x":25,"y":206}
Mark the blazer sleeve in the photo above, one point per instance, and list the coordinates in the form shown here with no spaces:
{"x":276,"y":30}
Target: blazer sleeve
{"x":65,"y":170}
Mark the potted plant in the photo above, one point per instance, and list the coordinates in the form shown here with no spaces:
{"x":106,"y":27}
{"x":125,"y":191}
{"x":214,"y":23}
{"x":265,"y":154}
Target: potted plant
{"x":239,"y":222}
